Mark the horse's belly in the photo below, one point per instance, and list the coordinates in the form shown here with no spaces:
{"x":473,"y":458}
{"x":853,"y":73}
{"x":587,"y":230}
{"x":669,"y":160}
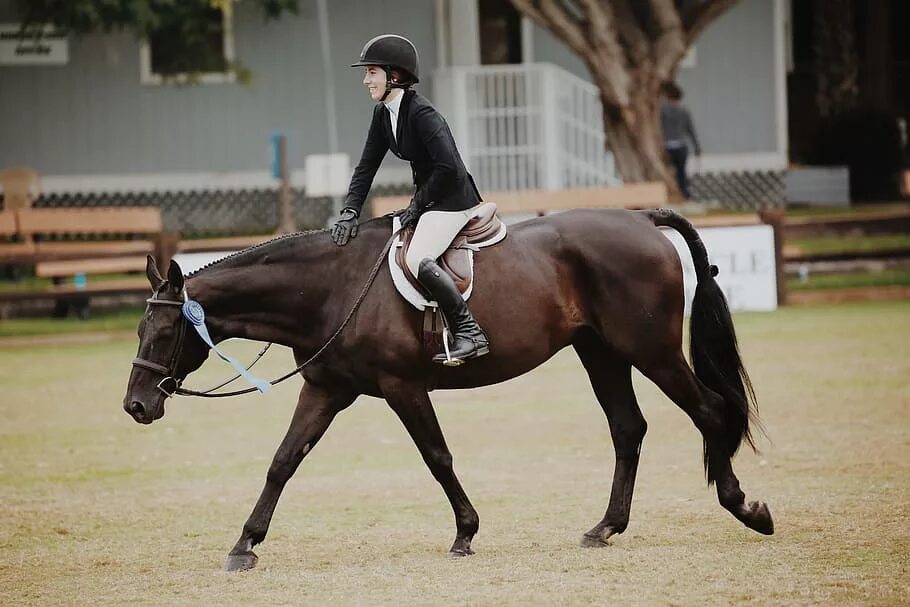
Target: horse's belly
{"x":524,"y":300}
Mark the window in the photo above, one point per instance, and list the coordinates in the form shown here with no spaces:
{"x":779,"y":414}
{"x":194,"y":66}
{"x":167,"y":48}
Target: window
{"x":201,"y":53}
{"x":500,"y":32}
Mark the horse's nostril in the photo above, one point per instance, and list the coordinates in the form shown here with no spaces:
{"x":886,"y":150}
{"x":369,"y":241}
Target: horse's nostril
{"x":135,"y":408}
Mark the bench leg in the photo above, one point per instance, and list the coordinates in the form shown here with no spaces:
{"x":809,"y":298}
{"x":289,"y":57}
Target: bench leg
{"x":80,"y":307}
{"x":61,"y":308}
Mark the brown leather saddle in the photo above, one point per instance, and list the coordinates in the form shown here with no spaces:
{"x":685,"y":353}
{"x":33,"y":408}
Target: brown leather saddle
{"x":457,"y":261}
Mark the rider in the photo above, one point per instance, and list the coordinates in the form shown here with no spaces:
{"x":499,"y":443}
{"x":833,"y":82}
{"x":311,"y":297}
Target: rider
{"x":446,"y":196}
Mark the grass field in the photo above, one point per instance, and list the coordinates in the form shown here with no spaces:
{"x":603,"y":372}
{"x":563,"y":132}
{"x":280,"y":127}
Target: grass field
{"x":100,"y":510}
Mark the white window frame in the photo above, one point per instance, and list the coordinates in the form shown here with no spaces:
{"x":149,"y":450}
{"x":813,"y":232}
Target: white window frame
{"x":147,"y":77}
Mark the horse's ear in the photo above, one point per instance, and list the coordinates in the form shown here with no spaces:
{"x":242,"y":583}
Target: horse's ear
{"x":175,"y":276}
{"x":151,"y":270}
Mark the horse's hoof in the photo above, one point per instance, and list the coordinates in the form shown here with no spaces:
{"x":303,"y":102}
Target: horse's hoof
{"x":759,"y":518}
{"x":593,"y":541}
{"x":598,"y":536}
{"x":241,"y":562}
{"x":460,"y":552}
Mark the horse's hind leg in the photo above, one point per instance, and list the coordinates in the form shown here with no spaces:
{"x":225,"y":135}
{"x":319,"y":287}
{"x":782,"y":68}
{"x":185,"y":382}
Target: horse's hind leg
{"x":611,"y":377}
{"x":706,"y":408}
{"x":411,"y":403}
{"x":316,"y":408}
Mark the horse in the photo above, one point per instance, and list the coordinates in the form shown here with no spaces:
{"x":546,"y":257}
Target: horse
{"x":606,"y":282}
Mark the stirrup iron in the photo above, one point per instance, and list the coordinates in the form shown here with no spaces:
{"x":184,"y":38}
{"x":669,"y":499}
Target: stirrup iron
{"x":449,"y":361}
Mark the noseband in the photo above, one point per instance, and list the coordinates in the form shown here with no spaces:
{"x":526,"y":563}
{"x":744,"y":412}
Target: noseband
{"x":168,"y":371}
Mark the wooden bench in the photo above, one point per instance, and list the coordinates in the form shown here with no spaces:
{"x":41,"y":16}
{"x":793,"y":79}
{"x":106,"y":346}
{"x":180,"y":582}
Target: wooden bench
{"x":628,"y":196}
{"x":64,"y":243}
{"x":225,"y":243}
{"x":11,"y":245}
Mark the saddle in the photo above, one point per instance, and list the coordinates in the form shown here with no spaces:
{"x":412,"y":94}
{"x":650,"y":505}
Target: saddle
{"x":483,"y":230}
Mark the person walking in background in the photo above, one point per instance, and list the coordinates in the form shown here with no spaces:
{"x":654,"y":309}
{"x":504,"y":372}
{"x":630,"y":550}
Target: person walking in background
{"x":677,"y":128}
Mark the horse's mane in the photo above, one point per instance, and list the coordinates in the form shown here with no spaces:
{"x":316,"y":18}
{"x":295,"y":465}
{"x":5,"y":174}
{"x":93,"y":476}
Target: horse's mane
{"x":268,"y":243}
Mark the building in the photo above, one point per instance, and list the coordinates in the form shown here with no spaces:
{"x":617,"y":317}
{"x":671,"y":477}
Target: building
{"x":92,"y":117}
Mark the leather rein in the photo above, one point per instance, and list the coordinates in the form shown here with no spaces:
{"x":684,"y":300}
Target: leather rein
{"x":169,"y":372}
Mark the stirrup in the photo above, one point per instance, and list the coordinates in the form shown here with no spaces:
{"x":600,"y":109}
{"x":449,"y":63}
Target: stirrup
{"x":449,"y":361}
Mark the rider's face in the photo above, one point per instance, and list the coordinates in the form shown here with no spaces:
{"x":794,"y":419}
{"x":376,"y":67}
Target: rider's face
{"x":374,"y":79}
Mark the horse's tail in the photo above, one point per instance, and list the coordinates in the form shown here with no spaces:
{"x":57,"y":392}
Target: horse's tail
{"x":713,"y":348}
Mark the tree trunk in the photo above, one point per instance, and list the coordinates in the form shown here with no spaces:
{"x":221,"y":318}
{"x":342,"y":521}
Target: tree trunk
{"x":631,"y":49}
{"x":878,"y":89}
{"x":634,"y":138}
{"x":836,"y":57}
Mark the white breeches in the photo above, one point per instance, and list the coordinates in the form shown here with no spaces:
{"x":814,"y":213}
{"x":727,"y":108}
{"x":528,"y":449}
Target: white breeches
{"x":435,"y":232}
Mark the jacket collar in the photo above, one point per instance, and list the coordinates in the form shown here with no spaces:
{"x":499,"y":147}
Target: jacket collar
{"x":404,"y":101}
{"x":395,"y":104}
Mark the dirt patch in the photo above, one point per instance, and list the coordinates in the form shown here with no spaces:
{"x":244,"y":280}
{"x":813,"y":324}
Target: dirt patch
{"x":150,"y":512}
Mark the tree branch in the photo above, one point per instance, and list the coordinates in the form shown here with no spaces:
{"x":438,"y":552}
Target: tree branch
{"x":701,"y":14}
{"x":607,"y":67}
{"x":631,"y":33}
{"x":670,"y":43}
{"x":611,"y":66}
{"x":549,"y":15}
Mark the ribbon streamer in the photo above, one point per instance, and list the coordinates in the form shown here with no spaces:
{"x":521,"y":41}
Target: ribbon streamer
{"x":193,"y":312}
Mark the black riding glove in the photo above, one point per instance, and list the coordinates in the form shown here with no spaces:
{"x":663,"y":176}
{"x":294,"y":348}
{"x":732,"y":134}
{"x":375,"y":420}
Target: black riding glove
{"x":410,"y":215}
{"x":346,"y":227}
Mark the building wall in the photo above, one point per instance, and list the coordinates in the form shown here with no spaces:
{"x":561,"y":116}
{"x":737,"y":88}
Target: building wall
{"x":93,"y":116}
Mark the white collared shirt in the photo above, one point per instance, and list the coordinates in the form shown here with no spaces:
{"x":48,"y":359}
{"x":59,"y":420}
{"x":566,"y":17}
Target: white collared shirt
{"x":393,"y":106}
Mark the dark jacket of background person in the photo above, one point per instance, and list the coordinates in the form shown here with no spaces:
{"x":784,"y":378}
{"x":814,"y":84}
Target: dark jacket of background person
{"x":677,"y":129}
{"x":676,"y":126}
{"x":425,"y":140}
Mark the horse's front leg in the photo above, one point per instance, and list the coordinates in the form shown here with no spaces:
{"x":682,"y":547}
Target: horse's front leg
{"x":316,"y":408}
{"x":411,"y":403}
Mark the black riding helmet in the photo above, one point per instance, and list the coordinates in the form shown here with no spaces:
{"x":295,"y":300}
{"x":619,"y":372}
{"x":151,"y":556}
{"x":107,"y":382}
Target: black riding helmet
{"x":391,"y":51}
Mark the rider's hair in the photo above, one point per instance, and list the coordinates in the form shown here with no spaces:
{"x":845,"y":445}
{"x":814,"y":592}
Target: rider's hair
{"x":401,"y":77}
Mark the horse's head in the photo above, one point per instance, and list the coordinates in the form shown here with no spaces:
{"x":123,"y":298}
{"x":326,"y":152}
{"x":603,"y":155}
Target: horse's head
{"x":166,"y":355}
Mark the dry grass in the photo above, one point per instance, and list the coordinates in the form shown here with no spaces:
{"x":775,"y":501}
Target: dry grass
{"x":99,"y":510}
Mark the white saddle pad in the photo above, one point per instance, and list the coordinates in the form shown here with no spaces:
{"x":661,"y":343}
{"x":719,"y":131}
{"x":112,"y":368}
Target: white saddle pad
{"x":404,"y":286}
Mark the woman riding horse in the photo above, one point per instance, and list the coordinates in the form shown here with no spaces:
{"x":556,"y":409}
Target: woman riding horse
{"x":405,"y":122}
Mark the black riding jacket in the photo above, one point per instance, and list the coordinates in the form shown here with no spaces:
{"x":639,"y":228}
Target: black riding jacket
{"x":425,"y":140}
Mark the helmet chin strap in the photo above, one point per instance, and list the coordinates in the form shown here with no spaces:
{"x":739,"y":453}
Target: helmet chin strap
{"x":390,"y":84}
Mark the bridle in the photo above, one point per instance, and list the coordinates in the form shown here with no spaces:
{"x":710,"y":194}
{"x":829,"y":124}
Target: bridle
{"x":169,"y":372}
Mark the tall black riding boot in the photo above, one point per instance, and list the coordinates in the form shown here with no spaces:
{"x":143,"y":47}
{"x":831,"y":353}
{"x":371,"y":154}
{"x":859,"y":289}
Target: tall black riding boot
{"x":468,"y":340}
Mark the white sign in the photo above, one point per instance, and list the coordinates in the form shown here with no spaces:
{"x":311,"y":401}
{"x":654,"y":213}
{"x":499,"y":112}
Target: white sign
{"x":327,"y":174}
{"x":190,"y":262}
{"x":34,"y":46}
{"x":744,"y":256}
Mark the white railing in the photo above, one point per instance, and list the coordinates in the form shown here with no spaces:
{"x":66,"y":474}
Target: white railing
{"x":530,"y":126}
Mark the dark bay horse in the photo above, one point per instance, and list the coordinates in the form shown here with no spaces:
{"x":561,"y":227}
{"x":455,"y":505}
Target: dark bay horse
{"x":606,"y":282}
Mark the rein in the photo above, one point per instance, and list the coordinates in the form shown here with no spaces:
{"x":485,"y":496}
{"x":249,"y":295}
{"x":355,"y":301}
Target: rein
{"x":179,"y":391}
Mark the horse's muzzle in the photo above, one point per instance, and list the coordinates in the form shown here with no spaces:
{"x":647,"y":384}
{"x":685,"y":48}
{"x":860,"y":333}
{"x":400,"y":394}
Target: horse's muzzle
{"x":139,"y":412}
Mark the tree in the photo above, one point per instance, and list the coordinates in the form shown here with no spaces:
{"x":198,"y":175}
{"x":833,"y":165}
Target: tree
{"x":186,"y":32}
{"x":631,"y":47}
{"x":836,"y":57}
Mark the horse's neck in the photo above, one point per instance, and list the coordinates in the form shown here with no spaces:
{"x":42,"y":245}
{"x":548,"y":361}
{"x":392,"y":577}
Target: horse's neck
{"x":278,"y":302}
